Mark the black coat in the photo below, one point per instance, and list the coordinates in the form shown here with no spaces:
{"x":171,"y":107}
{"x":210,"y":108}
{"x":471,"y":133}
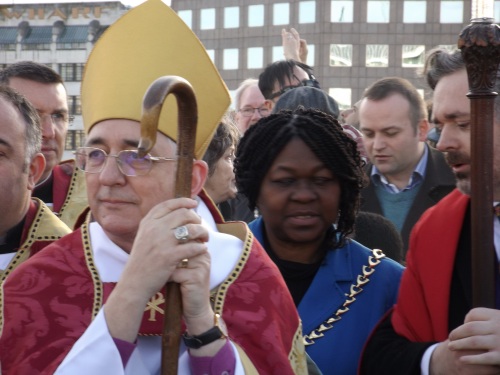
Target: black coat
{"x":439,"y":181}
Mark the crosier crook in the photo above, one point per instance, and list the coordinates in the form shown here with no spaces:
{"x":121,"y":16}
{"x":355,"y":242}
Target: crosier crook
{"x":186,"y":137}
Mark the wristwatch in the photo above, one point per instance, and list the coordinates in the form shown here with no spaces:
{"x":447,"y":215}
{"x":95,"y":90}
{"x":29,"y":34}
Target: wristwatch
{"x":218,"y":331}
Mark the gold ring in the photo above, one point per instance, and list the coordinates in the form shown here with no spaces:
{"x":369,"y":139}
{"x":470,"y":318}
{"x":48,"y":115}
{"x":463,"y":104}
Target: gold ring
{"x":183,"y":263}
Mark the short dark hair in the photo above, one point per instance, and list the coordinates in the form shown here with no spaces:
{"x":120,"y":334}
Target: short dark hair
{"x":33,"y":130}
{"x":225,"y":136}
{"x":441,"y":62}
{"x":263,"y":142}
{"x":385,"y":87}
{"x":278,"y":71}
{"x":31,"y":71}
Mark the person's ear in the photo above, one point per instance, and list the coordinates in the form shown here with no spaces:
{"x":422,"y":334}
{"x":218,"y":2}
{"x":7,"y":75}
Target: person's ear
{"x":423,"y":129}
{"x":199,"y":176}
{"x":35,"y":170}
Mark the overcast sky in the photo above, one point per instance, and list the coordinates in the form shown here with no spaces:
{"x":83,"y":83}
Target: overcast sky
{"x":126,"y":2}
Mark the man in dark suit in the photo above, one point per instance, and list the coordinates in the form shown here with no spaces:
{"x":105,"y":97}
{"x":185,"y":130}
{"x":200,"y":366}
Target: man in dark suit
{"x":433,"y":329}
{"x":407,"y":176}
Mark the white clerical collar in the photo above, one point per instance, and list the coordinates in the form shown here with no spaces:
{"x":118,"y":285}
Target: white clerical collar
{"x":225,"y":251}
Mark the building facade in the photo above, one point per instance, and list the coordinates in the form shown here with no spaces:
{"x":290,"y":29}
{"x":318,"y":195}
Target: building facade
{"x":60,"y":36}
{"x":352,"y":43}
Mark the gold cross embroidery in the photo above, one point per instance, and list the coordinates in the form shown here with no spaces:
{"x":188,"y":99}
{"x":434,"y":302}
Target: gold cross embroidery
{"x":153,"y":306}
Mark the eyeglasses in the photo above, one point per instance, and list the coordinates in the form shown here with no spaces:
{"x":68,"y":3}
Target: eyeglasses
{"x":58,"y":119}
{"x":312,"y":82}
{"x":249,"y":111}
{"x":93,"y":160}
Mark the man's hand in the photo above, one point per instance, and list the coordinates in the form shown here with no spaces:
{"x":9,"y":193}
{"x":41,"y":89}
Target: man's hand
{"x":473,"y":348}
{"x":294,"y":48}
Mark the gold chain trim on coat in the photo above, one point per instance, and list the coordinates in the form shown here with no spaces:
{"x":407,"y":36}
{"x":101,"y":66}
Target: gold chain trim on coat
{"x":367,"y":271}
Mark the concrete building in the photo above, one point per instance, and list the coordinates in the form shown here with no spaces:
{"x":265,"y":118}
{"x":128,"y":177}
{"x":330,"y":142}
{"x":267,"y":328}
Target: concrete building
{"x":60,"y":36}
{"x":352,"y":43}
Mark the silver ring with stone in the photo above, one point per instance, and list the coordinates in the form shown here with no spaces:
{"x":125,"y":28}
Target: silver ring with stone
{"x":181,"y":233}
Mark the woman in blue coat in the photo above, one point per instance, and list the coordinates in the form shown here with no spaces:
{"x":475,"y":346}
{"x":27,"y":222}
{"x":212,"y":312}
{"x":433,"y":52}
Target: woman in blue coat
{"x":304,"y":174}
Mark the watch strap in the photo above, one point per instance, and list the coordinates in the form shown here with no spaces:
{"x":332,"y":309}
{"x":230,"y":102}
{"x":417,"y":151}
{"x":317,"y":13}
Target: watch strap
{"x":213,"y":334}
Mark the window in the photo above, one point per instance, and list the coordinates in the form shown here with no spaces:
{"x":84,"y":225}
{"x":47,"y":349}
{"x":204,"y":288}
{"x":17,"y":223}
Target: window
{"x":74,"y":105}
{"x":341,"y":11}
{"x":68,"y":46}
{"x":231,"y":17}
{"x":378,"y":11}
{"x":413,"y":56}
{"x":449,"y":47}
{"x":230,"y":59}
{"x":310,"y":55}
{"x":415,"y":11}
{"x":277,"y":53}
{"x":496,"y":11}
{"x":281,"y":14}
{"x":451,"y":11}
{"x":211,"y":54}
{"x":377,"y":55}
{"x":255,"y":15}
{"x":255,"y":57}
{"x":74,"y":139}
{"x":35,"y":47}
{"x":187,"y":17}
{"x":307,"y":11}
{"x":342,"y":96}
{"x":71,"y":72}
{"x":207,"y":21}
{"x":340,"y":54}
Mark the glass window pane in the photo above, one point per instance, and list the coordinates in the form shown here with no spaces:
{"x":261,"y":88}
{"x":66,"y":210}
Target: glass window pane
{"x":340,"y":54}
{"x":378,"y":11}
{"x":211,"y":53}
{"x":341,"y":11}
{"x":277,"y":53}
{"x":255,"y":15}
{"x":187,"y":17}
{"x":449,"y":47}
{"x":231,"y":56}
{"x":207,"y":21}
{"x":377,"y":55}
{"x":307,"y":12}
{"x":310,"y":55}
{"x":413,"y":56}
{"x":342,"y":96}
{"x":255,"y":57}
{"x":496,"y":11}
{"x":281,"y":14}
{"x":452,"y":12}
{"x":231,"y":17}
{"x":414,"y":11}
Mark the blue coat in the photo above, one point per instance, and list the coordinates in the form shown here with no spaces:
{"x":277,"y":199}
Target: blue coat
{"x":338,"y":351}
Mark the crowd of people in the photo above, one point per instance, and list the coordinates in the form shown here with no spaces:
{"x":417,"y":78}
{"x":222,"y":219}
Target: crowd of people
{"x":313,"y":240}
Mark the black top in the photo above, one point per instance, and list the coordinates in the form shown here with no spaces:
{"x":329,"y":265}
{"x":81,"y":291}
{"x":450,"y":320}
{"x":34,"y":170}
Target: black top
{"x":298,"y":276}
{"x":12,"y":239}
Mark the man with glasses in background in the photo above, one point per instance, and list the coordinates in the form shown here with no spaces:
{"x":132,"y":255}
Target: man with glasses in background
{"x":250,"y":104}
{"x":61,"y":187}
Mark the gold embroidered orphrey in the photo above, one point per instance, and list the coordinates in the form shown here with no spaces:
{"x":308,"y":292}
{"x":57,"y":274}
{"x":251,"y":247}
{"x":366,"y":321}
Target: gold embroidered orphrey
{"x":373,"y":261}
